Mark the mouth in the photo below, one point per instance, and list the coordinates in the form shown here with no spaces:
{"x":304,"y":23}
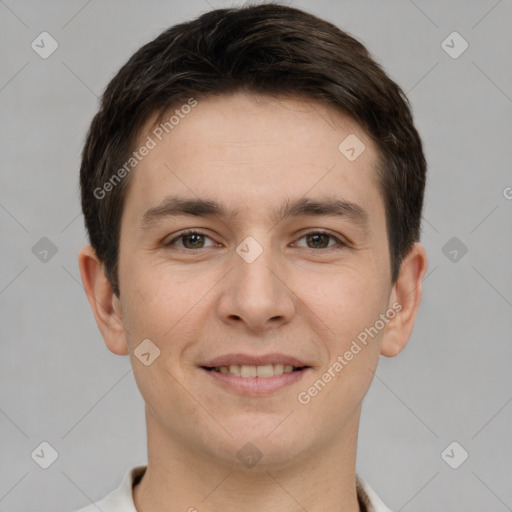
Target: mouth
{"x":255,"y":375}
{"x":251,"y":371}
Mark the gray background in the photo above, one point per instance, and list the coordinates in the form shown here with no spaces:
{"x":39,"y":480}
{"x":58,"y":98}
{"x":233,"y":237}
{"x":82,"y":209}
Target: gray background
{"x":453,"y":382}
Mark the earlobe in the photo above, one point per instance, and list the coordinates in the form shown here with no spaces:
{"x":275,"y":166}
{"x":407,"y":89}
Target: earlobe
{"x":406,"y":296}
{"x":104,"y":304}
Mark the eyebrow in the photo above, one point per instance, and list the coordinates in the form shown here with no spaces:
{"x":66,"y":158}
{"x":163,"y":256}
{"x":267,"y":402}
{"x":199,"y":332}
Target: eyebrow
{"x":173,"y":206}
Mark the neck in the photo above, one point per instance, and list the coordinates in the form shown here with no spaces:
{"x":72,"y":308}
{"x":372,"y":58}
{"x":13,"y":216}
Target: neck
{"x":179,"y":478}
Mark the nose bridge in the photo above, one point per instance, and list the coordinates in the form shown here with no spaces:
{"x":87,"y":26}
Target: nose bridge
{"x":256,"y":293}
{"x":255,"y":266}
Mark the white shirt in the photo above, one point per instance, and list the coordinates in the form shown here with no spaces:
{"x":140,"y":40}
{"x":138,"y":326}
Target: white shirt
{"x":121,"y":499}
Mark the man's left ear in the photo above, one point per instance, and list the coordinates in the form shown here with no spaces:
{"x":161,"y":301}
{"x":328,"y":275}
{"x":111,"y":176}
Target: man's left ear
{"x":406,"y":294}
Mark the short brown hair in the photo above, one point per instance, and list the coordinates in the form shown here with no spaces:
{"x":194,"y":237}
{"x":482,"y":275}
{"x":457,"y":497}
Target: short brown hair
{"x":268,"y":49}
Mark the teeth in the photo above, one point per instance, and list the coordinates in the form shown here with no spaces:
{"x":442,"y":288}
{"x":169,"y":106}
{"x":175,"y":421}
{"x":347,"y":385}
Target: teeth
{"x":278,"y":369}
{"x":234,"y":369}
{"x":248,"y":371}
{"x":264,"y":371}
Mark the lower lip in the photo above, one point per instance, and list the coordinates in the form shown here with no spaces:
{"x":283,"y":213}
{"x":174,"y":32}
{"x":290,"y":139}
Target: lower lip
{"x":256,"y":386}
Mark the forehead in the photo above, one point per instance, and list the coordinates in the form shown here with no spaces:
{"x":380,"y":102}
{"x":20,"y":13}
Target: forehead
{"x":251,"y":150}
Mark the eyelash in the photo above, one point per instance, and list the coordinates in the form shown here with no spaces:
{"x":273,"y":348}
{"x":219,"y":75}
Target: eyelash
{"x":183,"y":234}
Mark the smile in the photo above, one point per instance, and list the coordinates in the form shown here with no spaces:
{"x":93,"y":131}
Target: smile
{"x":249,"y":371}
{"x":261,"y":378}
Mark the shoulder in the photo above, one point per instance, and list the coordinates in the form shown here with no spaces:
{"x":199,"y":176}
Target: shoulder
{"x":120,"y":499}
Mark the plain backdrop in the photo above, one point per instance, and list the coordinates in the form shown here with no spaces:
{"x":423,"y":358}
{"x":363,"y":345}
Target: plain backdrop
{"x":453,"y":383}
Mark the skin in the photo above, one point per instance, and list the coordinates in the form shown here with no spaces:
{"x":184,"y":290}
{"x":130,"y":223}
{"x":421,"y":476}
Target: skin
{"x":304,"y":297}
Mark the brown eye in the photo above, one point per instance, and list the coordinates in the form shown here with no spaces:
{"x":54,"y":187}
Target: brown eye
{"x":318,"y":240}
{"x":193,"y":241}
{"x":190,"y":240}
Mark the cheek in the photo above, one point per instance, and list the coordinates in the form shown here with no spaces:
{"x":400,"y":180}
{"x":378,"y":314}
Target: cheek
{"x":171,"y":313}
{"x":353,"y":348}
{"x":158,"y":301}
{"x":346,"y":302}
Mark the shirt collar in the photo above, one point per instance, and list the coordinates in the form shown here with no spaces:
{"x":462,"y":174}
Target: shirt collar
{"x":121,"y":499}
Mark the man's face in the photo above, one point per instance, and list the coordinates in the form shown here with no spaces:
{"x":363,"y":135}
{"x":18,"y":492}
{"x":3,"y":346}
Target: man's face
{"x":255,"y":287}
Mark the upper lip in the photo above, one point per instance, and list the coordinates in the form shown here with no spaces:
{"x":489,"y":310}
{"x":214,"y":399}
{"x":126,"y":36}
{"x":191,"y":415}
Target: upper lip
{"x":253,"y":360}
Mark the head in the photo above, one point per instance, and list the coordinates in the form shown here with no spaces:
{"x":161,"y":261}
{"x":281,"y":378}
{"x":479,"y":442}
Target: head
{"x":256,"y":129}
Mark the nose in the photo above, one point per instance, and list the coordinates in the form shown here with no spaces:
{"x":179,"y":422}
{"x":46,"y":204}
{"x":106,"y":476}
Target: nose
{"x":255,"y":294}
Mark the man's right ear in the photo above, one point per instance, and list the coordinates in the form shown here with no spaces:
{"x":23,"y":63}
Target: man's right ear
{"x":104,"y":303}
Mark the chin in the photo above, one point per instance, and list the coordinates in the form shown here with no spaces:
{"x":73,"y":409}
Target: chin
{"x":261,"y":442}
